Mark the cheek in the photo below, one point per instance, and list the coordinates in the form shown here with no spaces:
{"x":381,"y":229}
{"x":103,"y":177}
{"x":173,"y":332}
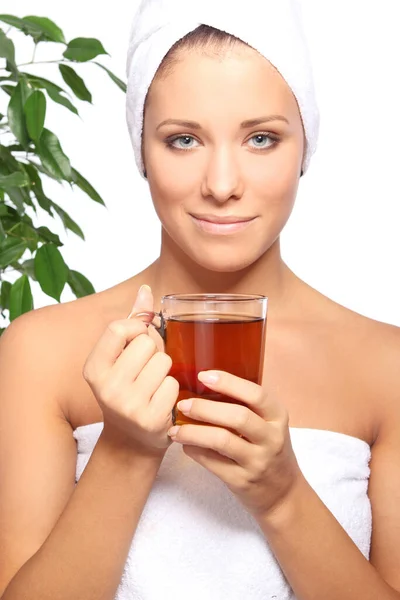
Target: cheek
{"x":168,"y":201}
{"x":171,"y":173}
{"x":277,"y":194}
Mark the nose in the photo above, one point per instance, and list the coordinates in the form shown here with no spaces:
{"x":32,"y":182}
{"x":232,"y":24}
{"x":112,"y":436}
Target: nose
{"x":222,"y":180}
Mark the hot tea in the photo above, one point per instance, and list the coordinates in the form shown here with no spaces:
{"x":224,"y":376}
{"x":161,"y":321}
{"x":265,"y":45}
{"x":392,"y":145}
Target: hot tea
{"x":226,"y":342}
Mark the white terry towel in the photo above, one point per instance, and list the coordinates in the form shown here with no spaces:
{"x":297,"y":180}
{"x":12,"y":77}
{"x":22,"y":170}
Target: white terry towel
{"x":194,"y":540}
{"x":272,"y":27}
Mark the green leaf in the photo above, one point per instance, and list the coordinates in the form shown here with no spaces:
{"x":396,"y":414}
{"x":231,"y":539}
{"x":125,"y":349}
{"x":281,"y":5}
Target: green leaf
{"x":37,"y":188}
{"x":44,"y":29}
{"x":9,"y":89}
{"x":26,"y":233}
{"x":86,"y":187}
{"x":9,"y":223}
{"x":35,"y":113}
{"x":18,"y":198}
{"x":41,"y":29}
{"x":27,"y":189}
{"x":21,"y":300}
{"x":9,"y":160}
{"x":17,"y":148}
{"x":7,"y":48}
{"x":51,"y":271}
{"x":63,"y":101}
{"x":2,"y":233}
{"x":75,"y":82}
{"x":18,"y":195}
{"x":10,"y":166}
{"x":13,"y":21}
{"x":17,"y":179}
{"x":67,"y":221}
{"x":27,"y":268}
{"x":120,"y":84}
{"x":48,"y":236}
{"x":52,"y":156}
{"x":7,"y":211}
{"x":10,"y":250}
{"x":15,"y":113}
{"x":42,"y":83}
{"x":84,"y":49}
{"x":45,"y":171}
{"x":5,"y":295}
{"x":79,"y":285}
{"x":54,"y":91}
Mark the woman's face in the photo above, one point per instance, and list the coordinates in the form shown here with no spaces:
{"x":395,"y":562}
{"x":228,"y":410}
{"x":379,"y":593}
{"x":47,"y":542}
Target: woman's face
{"x":220,"y":167}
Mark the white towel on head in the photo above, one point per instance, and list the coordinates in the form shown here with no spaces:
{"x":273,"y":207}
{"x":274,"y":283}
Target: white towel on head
{"x":195,"y":540}
{"x":272,"y":27}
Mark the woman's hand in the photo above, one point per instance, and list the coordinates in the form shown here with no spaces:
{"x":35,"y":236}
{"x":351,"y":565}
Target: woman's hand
{"x":129,"y":378}
{"x":258,"y":463}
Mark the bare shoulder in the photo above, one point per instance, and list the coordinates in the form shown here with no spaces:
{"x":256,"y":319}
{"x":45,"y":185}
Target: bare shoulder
{"x":372,"y":350}
{"x":63,"y":335}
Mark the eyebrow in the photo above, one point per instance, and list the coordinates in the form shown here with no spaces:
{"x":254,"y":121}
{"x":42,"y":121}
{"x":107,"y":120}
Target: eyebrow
{"x":245,"y":125}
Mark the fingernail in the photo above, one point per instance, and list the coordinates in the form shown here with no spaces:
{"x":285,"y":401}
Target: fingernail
{"x":174,"y":430}
{"x":141,"y":297}
{"x":185,"y":405}
{"x":142,"y":293}
{"x":208,"y":376}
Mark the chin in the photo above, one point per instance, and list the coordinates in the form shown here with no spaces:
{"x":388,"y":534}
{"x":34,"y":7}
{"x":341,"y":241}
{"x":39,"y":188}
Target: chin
{"x":221,"y":262}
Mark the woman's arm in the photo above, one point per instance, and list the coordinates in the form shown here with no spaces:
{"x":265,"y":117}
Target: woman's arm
{"x":315,"y":553}
{"x":58,"y":540}
{"x":85,"y":553}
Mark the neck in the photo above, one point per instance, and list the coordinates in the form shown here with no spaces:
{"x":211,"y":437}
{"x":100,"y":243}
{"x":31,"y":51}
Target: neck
{"x":174,"y":273}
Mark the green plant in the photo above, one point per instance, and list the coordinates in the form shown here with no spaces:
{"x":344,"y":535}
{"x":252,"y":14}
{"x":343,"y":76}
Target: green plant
{"x":30,"y":153}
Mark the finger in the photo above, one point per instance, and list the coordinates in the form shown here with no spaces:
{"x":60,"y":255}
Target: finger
{"x":110,"y":346}
{"x":234,"y":416}
{"x":228,"y":471}
{"x":132,"y":360}
{"x":164,"y":399}
{"x":155,"y":335}
{"x":152,"y":375}
{"x":218,"y":439}
{"x":144,"y":309}
{"x":251,"y":394}
{"x":213,"y":461}
{"x":144,"y":301}
{"x":116,"y":337}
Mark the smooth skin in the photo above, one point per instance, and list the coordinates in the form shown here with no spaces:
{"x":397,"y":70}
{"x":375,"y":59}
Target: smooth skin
{"x":81,"y":362}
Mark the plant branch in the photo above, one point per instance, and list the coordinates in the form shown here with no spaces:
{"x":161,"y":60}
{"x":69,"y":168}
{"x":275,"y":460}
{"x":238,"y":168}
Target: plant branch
{"x":42,"y":62}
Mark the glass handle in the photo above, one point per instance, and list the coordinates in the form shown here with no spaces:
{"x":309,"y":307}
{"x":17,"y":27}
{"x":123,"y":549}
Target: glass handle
{"x":150,"y":317}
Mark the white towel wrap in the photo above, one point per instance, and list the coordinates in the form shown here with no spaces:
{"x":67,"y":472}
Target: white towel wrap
{"x":272,"y":27}
{"x":195,"y":540}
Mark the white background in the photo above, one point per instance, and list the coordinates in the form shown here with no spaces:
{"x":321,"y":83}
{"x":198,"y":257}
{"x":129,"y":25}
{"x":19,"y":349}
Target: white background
{"x":342,"y":237}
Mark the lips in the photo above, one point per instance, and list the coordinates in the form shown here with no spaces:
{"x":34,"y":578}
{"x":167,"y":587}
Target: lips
{"x":221,"y":225}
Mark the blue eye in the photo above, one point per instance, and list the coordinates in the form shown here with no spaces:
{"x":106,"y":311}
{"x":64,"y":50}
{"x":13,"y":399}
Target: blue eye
{"x":261,"y":138}
{"x":186,"y":139}
{"x":185,"y":142}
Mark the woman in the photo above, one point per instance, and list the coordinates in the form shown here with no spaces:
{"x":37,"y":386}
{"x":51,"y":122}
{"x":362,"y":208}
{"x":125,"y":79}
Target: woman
{"x":259,"y":505}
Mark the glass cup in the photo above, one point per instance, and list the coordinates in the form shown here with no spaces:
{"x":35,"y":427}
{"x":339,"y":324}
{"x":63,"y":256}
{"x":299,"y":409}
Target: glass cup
{"x":202,"y":332}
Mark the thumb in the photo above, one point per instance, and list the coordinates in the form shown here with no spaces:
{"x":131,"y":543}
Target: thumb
{"x":144,"y":302}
